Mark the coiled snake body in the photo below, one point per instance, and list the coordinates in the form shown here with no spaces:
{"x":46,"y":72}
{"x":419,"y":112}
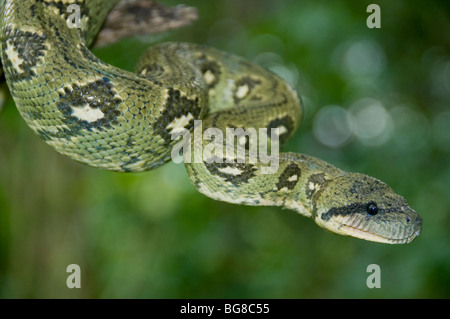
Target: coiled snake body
{"x":109,"y":118}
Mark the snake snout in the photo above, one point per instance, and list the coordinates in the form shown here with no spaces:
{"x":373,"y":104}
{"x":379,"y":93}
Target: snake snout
{"x":416,"y":225}
{"x":412,"y":223}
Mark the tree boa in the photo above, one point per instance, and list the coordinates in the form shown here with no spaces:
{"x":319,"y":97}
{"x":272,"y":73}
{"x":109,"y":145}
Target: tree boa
{"x":109,"y":118}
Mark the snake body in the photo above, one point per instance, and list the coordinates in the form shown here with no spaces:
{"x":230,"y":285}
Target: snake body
{"x":112,"y":119}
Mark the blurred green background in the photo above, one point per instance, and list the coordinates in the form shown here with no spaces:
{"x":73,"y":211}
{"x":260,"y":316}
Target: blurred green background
{"x":376,"y":102}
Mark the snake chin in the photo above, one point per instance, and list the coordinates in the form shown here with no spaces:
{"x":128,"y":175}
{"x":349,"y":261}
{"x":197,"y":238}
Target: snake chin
{"x":371,"y":230}
{"x":367,"y":235}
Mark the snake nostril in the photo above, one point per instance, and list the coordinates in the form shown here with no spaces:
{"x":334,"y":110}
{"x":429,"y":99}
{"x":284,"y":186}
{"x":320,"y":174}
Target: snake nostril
{"x":408,"y":219}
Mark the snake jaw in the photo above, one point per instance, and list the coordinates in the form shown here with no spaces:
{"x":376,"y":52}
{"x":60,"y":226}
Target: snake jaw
{"x":370,"y":236}
{"x":367,"y":229}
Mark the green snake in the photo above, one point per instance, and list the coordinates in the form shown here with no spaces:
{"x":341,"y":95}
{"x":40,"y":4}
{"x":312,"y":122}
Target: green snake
{"x":117,"y":120}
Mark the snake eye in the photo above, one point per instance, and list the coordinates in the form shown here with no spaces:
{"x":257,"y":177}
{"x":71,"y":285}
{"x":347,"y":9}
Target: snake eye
{"x":372,"y":209}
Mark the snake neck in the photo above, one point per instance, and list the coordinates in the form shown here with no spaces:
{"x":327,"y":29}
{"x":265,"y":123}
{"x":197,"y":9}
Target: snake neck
{"x":303,"y":178}
{"x":290,"y":180}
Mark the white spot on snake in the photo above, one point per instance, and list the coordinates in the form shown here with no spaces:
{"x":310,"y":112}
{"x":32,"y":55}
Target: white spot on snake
{"x":179,"y":123}
{"x":55,"y":10}
{"x":242,"y":91}
{"x":282,"y":129}
{"x":209,"y":77}
{"x":284,"y":189}
{"x":230,"y":170}
{"x":293,"y":178}
{"x":314,"y":186}
{"x":87,"y":113}
{"x":13,"y":56}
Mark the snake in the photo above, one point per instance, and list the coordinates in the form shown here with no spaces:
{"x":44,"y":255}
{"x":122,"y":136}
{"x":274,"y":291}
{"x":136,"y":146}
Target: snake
{"x":113,"y":119}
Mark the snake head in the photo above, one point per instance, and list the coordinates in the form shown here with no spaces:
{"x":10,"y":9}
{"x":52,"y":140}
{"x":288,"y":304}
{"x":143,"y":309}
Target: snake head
{"x":361,"y":206}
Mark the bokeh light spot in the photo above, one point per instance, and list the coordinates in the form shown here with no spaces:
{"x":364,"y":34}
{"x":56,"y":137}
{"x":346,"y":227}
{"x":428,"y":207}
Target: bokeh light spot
{"x":333,"y":126}
{"x":373,"y":124}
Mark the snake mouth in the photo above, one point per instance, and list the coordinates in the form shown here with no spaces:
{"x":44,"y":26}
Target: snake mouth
{"x":367,"y":235}
{"x":393,"y":233}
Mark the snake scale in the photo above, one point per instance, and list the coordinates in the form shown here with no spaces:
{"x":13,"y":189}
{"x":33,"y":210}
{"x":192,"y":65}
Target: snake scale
{"x":117,"y":120}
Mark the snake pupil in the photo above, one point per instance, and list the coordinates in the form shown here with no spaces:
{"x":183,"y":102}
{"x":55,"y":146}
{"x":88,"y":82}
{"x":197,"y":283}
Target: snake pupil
{"x":372,"y":209}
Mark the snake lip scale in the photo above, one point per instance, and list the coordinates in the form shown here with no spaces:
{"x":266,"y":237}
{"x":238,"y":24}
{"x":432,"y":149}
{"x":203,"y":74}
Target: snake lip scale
{"x":379,"y":238}
{"x":112,"y":119}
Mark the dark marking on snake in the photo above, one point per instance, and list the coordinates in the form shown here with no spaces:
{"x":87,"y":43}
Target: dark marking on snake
{"x":210,"y":70}
{"x":29,"y":47}
{"x":315,"y":183}
{"x":97,"y":95}
{"x":286,"y":122}
{"x":248,"y":83}
{"x":176,"y":106}
{"x":354,"y":208}
{"x":247,"y":171}
{"x":290,"y":177}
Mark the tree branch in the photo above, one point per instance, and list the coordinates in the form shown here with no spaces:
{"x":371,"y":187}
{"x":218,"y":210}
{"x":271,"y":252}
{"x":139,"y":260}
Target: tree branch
{"x":142,"y":17}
